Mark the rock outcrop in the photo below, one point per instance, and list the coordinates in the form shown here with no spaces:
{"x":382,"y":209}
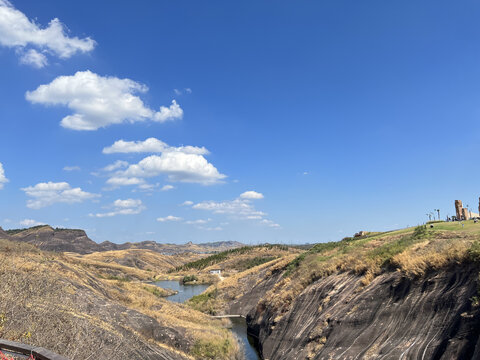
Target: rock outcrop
{"x":394,"y":317}
{"x":59,"y":240}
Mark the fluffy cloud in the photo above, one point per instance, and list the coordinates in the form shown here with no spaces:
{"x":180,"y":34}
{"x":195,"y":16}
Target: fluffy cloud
{"x":167,"y":187}
{"x":115,"y":166}
{"x":30,"y":223}
{"x":169,"y":218}
{"x":33,"y":58}
{"x":3,"y":178}
{"x":251,"y":195}
{"x":187,"y":203}
{"x":123,"y":181}
{"x":45,"y":194}
{"x":241,"y":208}
{"x":177,"y":166}
{"x":17,"y":31}
{"x":98,"y":101}
{"x":151,"y":145}
{"x":123,"y":207}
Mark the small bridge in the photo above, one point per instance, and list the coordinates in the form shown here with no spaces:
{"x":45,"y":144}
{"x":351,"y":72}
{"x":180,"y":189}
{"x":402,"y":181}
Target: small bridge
{"x":228,"y":316}
{"x":38,"y":353}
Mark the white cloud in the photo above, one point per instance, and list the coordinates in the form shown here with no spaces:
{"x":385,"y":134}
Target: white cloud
{"x":169,"y":218}
{"x":123,"y":181}
{"x":30,"y":223}
{"x":151,"y":145}
{"x":177,"y":166}
{"x":72,"y":168}
{"x":17,"y":31}
{"x":148,"y":187}
{"x":197,"y":222}
{"x":123,"y":207}
{"x":3,"y":178}
{"x":174,"y":111}
{"x":115,"y":166}
{"x":34,"y":58}
{"x":253,"y":195}
{"x":270,"y":223}
{"x":167,"y":187}
{"x":98,"y":101}
{"x":46,"y":194}
{"x":187,"y":203}
{"x":240,"y":208}
{"x":180,"y":92}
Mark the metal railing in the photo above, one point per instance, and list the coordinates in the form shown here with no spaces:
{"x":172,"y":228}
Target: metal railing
{"x":37,"y":352}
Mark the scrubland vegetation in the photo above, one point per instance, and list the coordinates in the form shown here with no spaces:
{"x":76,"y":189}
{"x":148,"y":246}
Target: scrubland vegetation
{"x":103,"y":300}
{"x":238,"y":259}
{"x":84,"y":308}
{"x":412,"y":251}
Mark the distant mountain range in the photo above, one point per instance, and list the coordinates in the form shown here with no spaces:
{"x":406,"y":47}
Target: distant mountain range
{"x":74,"y":240}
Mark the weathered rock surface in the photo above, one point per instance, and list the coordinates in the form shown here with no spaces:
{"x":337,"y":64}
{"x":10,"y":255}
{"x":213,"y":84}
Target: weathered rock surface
{"x":394,"y":317}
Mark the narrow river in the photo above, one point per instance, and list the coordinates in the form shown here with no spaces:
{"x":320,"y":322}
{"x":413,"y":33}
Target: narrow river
{"x":239,"y":326}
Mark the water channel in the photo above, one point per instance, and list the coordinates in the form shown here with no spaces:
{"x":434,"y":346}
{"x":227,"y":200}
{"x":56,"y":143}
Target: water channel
{"x":239,"y":327}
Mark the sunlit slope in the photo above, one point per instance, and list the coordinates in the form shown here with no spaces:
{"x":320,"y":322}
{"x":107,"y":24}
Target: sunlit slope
{"x":79,"y":309}
{"x":143,"y":259}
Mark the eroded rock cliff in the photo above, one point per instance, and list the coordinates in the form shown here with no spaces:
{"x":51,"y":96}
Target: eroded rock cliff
{"x":395,"y":317}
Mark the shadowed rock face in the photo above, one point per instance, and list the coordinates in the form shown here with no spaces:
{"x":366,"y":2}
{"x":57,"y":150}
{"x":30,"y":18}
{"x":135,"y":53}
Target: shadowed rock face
{"x":47,"y":238}
{"x":392,"y":318}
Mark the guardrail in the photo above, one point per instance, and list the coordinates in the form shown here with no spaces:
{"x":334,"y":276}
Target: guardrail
{"x":39,"y":353}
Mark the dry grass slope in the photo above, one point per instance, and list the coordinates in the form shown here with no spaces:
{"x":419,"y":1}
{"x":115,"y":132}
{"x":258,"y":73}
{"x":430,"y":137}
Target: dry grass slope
{"x":85,"y":308}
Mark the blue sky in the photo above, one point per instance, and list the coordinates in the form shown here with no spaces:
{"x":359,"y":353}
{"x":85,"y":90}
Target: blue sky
{"x":254,"y":121}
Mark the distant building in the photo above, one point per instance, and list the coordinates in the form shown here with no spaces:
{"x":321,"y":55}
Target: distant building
{"x":216,"y":271}
{"x":360,"y":234}
{"x":462,"y":213}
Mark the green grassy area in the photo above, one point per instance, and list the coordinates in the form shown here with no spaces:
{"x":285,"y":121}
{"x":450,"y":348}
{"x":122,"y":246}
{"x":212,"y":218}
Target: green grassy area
{"x":224,"y":255}
{"x":246,"y":264}
{"x":468,"y":226}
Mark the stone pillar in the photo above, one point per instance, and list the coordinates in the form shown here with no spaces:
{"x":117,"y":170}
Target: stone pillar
{"x":465,"y":214}
{"x":458,"y":209}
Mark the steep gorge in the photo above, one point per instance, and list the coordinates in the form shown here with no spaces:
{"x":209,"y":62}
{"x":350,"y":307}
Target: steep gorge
{"x":395,"y":317}
{"x":420,"y":301}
